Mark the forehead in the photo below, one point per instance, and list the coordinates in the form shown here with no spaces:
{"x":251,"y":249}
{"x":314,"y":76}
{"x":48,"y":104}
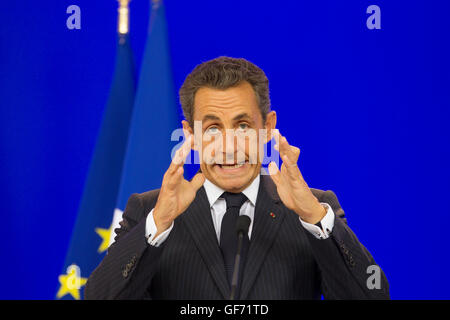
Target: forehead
{"x":228,"y":102}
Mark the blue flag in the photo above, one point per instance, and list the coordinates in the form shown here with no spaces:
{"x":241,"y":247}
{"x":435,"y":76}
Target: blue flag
{"x":155,"y":116}
{"x":91,"y":234}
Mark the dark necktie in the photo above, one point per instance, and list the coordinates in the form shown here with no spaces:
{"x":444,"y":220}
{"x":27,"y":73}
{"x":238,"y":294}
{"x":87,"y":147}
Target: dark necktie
{"x":228,"y":234}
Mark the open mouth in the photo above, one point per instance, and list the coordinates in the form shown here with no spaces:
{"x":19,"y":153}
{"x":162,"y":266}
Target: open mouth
{"x":233,"y":167}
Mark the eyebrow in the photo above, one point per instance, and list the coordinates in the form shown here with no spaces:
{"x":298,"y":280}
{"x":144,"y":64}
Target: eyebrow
{"x":241,"y":116}
{"x":236,"y":118}
{"x":210,"y":117}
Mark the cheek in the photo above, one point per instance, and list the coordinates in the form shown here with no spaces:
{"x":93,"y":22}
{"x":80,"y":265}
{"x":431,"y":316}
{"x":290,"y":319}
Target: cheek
{"x":210,"y":148}
{"x":249,"y":146}
{"x":208,"y":152}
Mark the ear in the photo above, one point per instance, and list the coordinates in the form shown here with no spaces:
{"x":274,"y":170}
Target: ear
{"x":186,"y":126}
{"x":187,"y":129}
{"x":271,"y":123}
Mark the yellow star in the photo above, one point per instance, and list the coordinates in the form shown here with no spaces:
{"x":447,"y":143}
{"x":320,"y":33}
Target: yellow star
{"x":71,"y":283}
{"x":105,"y":234}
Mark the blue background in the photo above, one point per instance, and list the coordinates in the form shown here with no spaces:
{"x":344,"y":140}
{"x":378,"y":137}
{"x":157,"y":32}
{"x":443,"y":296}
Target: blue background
{"x":368,"y":108}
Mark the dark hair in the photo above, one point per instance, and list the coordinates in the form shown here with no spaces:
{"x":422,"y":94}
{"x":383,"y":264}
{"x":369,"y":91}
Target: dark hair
{"x":223,"y":73}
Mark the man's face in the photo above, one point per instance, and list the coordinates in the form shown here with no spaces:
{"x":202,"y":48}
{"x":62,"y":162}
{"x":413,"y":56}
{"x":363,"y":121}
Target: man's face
{"x":230,"y":124}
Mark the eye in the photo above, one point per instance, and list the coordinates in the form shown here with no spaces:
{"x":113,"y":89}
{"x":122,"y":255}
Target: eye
{"x":212,"y":130}
{"x":243,"y":126}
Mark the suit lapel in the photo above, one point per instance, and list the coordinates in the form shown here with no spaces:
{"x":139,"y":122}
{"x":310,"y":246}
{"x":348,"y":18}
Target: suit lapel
{"x":199,"y":223}
{"x":265,"y":228}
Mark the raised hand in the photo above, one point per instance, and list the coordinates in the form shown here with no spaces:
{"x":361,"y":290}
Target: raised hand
{"x":176,"y":193}
{"x":291,"y":187}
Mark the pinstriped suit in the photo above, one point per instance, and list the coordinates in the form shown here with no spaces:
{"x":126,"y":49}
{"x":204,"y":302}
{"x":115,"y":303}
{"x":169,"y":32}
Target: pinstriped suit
{"x":284,"y":260}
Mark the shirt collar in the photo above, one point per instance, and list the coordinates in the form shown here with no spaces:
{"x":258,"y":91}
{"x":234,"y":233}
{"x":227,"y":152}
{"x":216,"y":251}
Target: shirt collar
{"x":214,"y":192}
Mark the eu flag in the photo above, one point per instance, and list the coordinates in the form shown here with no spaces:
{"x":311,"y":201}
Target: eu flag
{"x":91,"y":234}
{"x":155,"y":116}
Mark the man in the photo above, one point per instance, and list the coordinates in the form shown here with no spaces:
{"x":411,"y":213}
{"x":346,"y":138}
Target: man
{"x":179,"y":242}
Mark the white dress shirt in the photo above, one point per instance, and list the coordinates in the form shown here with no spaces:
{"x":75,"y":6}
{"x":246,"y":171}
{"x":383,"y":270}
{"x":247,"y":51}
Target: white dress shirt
{"x":218,"y":207}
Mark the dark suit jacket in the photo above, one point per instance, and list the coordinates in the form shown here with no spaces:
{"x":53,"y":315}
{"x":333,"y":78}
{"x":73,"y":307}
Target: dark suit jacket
{"x":284,"y":260}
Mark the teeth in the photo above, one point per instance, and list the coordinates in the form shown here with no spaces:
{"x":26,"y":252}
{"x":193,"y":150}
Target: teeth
{"x":232,"y":166}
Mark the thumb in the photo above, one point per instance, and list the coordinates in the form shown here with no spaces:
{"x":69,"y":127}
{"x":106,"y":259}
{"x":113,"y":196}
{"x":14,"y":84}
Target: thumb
{"x":197,"y":181}
{"x":274,"y":172}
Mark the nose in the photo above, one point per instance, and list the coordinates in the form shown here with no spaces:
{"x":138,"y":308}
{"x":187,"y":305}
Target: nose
{"x":229,"y":141}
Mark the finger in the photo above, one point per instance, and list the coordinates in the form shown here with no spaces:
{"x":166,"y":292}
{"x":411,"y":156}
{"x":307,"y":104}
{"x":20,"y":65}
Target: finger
{"x":186,"y":148}
{"x":284,"y":145}
{"x":291,"y":151}
{"x":180,"y":155}
{"x":295,"y":152}
{"x":186,"y":133}
{"x":197,"y":181}
{"x":291,"y":167}
{"x":276,"y":136}
{"x":175,"y":179}
{"x":176,"y":163}
{"x":188,"y":136}
{"x":274,"y":173}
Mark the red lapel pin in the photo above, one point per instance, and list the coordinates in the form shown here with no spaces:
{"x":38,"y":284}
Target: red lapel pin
{"x":272,"y":215}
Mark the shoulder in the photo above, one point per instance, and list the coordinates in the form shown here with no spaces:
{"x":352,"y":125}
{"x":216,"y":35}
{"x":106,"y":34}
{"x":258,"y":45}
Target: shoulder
{"x":329,"y":197}
{"x":140,"y":204}
{"x":147,"y":199}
